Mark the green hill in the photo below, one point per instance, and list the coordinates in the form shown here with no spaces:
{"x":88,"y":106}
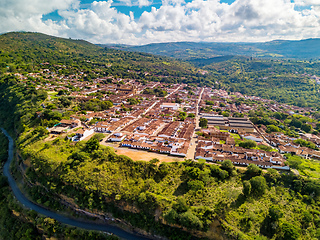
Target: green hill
{"x":304,"y":49}
{"x":26,"y":52}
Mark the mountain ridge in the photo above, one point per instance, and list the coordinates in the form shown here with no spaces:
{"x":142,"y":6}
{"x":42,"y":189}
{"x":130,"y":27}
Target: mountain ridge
{"x":280,"y":49}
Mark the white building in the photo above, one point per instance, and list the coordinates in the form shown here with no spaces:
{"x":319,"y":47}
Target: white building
{"x":173,"y":106}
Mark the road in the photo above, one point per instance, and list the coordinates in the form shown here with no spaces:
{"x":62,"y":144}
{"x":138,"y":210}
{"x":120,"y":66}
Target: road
{"x":193,"y":143}
{"x":173,"y":92}
{"x":63,"y":219}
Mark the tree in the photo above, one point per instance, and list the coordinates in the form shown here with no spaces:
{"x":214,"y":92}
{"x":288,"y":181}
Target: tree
{"x":306,"y":127}
{"x":133,"y":101}
{"x":258,"y":185}
{"x":253,"y":170}
{"x":181,"y":205}
{"x":203,"y":123}
{"x":271,"y":222}
{"x":275,"y":213}
{"x":171,"y":217}
{"x":92,"y":144}
{"x":191,"y":115}
{"x":288,"y":231}
{"x":154,"y":161}
{"x":182,"y":116}
{"x":42,"y":131}
{"x":248,"y":144}
{"x":246,"y":188}
{"x":273,"y":128}
{"x":195,"y":185}
{"x":296,"y":123}
{"x":265,"y":148}
{"x":190,"y":221}
{"x":228,"y":166}
{"x":272,"y":175}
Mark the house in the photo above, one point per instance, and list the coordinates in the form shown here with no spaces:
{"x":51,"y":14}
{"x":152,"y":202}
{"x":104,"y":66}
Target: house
{"x":70,"y":123}
{"x":102,"y":127}
{"x":292,"y":150}
{"x":173,"y":106}
{"x":253,"y":138}
{"x":117,"y":137}
{"x":82,"y":134}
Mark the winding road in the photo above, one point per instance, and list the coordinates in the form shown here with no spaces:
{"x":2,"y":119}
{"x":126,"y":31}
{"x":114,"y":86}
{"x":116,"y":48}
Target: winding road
{"x":69,"y":221}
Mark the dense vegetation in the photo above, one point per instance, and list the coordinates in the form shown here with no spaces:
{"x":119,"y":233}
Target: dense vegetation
{"x":19,"y":223}
{"x":283,"y":81}
{"x":30,"y":52}
{"x":192,"y":195}
{"x":18,"y":108}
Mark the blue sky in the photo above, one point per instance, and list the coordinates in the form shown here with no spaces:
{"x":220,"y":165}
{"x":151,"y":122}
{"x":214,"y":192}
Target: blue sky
{"x":148,"y":21}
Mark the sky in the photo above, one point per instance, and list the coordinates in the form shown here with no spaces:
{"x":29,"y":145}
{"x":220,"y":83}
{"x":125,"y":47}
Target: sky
{"x":138,"y":22}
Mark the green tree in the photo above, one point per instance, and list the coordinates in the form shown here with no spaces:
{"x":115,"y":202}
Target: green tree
{"x":228,"y":166}
{"x":171,"y":217}
{"x":99,"y":136}
{"x":190,"y":221}
{"x":253,"y":170}
{"x":191,"y":115}
{"x":288,"y":231}
{"x":306,"y":127}
{"x":248,"y":144}
{"x":182,"y":116}
{"x":296,"y":123}
{"x":258,"y":185}
{"x":154,"y":161}
{"x":203,"y":123}
{"x":92,"y":144}
{"x":273,"y":128}
{"x":246,"y":188}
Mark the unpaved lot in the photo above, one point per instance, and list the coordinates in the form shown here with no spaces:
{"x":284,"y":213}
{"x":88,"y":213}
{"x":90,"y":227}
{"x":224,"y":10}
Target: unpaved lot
{"x":141,"y":155}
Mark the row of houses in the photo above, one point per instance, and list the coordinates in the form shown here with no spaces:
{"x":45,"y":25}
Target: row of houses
{"x":239,"y":156}
{"x":157,"y":144}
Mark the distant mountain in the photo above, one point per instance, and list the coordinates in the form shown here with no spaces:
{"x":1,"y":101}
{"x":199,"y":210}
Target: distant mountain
{"x":303,"y":49}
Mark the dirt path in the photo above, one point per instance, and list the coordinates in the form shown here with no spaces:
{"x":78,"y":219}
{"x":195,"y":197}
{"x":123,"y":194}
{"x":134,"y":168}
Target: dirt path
{"x":137,"y":155}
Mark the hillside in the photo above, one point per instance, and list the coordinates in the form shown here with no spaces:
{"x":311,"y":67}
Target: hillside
{"x":285,"y":81}
{"x":304,"y":49}
{"x":25,"y":52}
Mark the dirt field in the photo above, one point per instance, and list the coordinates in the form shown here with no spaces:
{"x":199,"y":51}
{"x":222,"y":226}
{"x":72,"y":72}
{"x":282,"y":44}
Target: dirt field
{"x":141,"y":155}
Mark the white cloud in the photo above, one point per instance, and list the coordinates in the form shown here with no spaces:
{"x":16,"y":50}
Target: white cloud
{"x":307,"y":2}
{"x":198,"y":20}
{"x":17,"y":15}
{"x":144,"y":3}
{"x":140,"y":3}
